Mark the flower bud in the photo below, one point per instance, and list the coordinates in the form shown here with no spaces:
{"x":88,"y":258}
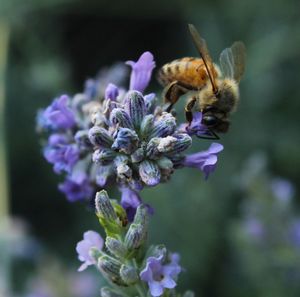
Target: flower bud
{"x":126,"y":141}
{"x":108,"y":292}
{"x":124,"y":171}
{"x":135,"y":107}
{"x":165,"y":163}
{"x":103,"y":156}
{"x":129,"y":274}
{"x":142,"y":215}
{"x":149,"y":173}
{"x":137,"y":156}
{"x":115,"y":247}
{"x":135,"y":236}
{"x":174,"y":145}
{"x":147,"y":125}
{"x":82,"y":139}
{"x":100,"y":137}
{"x":104,"y":206}
{"x":110,"y":268}
{"x":152,"y":150}
{"x":165,"y":126}
{"x":119,"y":116}
{"x":111,"y":92}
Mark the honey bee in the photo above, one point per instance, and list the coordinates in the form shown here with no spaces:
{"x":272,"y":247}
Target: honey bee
{"x":216,"y":88}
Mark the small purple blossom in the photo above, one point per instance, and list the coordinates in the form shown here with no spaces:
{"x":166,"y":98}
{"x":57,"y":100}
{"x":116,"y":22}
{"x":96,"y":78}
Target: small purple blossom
{"x":91,"y":239}
{"x":62,"y":154}
{"x":159,"y":275}
{"x":111,"y":92}
{"x":130,"y":200}
{"x":58,"y":115}
{"x":195,"y":127}
{"x":76,"y":189}
{"x":141,"y":72}
{"x":205,"y":161}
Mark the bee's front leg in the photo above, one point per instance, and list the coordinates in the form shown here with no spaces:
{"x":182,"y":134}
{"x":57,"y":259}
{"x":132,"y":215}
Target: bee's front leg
{"x":172,"y":93}
{"x":188,"y":109}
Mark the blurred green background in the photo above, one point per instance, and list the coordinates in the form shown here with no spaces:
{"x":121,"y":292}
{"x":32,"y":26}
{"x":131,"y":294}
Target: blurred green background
{"x":53,"y":46}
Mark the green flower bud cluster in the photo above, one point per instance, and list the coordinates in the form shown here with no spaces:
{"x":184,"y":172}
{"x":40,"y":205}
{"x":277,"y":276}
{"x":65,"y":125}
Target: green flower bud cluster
{"x":123,"y":258}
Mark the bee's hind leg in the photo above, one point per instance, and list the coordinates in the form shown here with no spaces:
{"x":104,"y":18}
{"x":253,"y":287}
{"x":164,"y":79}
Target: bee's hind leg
{"x":188,"y":109}
{"x":172,"y":93}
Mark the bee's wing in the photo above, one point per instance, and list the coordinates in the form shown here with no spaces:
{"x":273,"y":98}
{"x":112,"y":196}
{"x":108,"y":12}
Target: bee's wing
{"x":233,"y":61}
{"x":201,"y":46}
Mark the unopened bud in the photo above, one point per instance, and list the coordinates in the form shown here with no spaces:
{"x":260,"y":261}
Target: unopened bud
{"x":110,"y":267}
{"x":149,"y":173}
{"x":135,"y":236}
{"x":137,"y":156}
{"x":165,"y":126}
{"x":82,"y":139}
{"x":119,"y":116}
{"x":126,"y":141}
{"x":104,"y":206}
{"x":142,"y":215}
{"x":115,"y":247}
{"x":100,"y":137}
{"x":103,"y":156}
{"x":135,"y":107}
{"x":111,"y":92}
{"x":165,"y":163}
{"x":129,"y":274}
{"x":147,"y":125}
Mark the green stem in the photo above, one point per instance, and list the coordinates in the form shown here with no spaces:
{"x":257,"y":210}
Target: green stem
{"x":4,"y":197}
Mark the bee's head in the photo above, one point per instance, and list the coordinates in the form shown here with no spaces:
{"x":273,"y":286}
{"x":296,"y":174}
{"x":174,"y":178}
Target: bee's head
{"x":215,"y":120}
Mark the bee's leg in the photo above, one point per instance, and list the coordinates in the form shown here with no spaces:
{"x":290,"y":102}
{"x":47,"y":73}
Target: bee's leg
{"x":210,"y":135}
{"x":172,"y":94}
{"x":188,"y":109}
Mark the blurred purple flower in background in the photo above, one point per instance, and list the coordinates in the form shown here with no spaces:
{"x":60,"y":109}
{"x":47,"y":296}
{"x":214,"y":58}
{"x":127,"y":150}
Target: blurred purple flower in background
{"x":159,"y":275}
{"x":77,"y":189}
{"x":91,"y":240}
{"x":254,"y":228}
{"x":206,"y":161}
{"x":62,"y":154}
{"x":282,"y":189}
{"x":58,"y":115}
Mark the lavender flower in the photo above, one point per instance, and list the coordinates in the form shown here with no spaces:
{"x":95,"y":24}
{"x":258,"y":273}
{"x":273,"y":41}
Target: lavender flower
{"x":111,"y":92}
{"x":159,"y":275}
{"x":76,"y":189}
{"x":62,"y":154}
{"x":130,"y":200}
{"x":141,"y":72}
{"x":91,"y":240}
{"x":119,"y":137}
{"x":58,"y":115}
{"x":195,"y":127}
{"x":205,"y":161}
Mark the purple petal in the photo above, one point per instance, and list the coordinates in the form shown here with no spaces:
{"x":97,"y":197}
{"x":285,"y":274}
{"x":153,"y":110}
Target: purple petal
{"x":111,"y":92}
{"x":156,"y":289}
{"x":141,"y":72}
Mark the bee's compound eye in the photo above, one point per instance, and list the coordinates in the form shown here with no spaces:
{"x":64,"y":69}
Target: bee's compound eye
{"x":209,"y":120}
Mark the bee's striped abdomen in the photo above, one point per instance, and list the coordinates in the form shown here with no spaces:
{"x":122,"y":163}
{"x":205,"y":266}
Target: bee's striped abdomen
{"x":189,"y":71}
